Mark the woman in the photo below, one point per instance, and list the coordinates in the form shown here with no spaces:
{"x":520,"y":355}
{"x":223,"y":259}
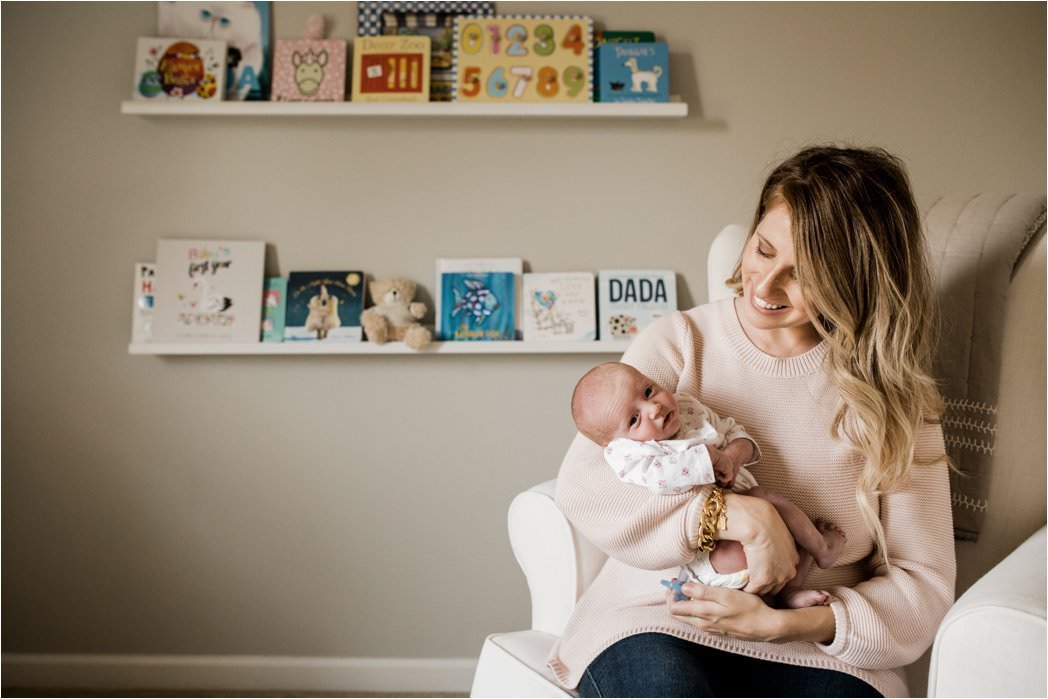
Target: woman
{"x":823,"y":357}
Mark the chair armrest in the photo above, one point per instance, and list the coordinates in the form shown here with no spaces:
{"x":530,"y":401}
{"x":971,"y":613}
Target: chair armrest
{"x":724,"y":253}
{"x":992,"y":641}
{"x":558,"y":563}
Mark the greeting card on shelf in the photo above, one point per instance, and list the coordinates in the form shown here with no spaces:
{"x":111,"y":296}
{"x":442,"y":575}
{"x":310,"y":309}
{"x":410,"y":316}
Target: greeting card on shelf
{"x":391,"y":69}
{"x":244,"y":26}
{"x":629,"y":300}
{"x":324,"y":306}
{"x":634,"y":72}
{"x":560,"y":306}
{"x":311,"y":69}
{"x":523,"y":59}
{"x":179,"y":69}
{"x":142,"y":307}
{"x":209,"y":291}
{"x":478,"y":306}
{"x":274,"y":306}
{"x":514,"y":265}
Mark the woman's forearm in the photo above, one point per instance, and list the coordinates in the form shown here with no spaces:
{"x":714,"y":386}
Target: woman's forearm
{"x":816,"y":624}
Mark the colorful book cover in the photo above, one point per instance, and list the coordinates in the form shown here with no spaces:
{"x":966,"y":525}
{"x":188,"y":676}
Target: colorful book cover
{"x":560,"y":306}
{"x":309,"y":70}
{"x":142,"y":307}
{"x":614,"y":37}
{"x":324,"y":306}
{"x":244,"y":26}
{"x":477,"y":264}
{"x":634,"y":72}
{"x":629,"y":300}
{"x":212,"y":291}
{"x":391,"y":69}
{"x":179,"y":69}
{"x":478,"y":306}
{"x":274,"y":300}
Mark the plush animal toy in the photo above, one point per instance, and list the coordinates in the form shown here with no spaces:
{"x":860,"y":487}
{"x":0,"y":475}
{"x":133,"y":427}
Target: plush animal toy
{"x":394,"y":317}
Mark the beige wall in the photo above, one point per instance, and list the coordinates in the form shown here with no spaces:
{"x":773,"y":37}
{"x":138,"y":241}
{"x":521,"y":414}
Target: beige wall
{"x":356,"y":506}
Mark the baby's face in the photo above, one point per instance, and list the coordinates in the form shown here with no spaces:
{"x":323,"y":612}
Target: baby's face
{"x":638,"y":408}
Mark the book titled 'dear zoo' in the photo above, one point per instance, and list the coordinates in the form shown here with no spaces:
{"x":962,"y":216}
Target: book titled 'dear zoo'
{"x":208,"y":291}
{"x":629,"y":300}
{"x":324,"y":306}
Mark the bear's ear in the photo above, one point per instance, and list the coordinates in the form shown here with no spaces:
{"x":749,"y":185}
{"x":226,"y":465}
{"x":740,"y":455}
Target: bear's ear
{"x":408,"y":287}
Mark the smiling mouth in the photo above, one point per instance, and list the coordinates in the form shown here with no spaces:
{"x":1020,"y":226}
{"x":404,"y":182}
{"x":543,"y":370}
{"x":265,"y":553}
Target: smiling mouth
{"x":766,"y":305}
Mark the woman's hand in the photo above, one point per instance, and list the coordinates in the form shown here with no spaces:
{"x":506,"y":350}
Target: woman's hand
{"x":723,"y":611}
{"x":771,"y":554}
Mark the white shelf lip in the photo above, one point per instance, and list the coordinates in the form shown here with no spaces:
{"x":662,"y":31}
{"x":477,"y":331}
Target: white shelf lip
{"x":504,"y":347}
{"x":674,"y":109}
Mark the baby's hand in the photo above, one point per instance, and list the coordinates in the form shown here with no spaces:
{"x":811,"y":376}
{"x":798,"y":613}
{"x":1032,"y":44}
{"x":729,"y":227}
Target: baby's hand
{"x":724,"y":466}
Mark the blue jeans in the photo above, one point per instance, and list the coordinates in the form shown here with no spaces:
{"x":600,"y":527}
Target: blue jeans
{"x":660,"y":665}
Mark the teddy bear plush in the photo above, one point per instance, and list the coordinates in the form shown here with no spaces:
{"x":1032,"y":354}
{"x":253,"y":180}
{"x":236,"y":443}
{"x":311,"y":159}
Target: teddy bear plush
{"x":394,"y":317}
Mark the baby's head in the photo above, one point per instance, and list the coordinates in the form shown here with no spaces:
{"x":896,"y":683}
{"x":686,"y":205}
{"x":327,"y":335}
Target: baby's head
{"x":614,"y":401}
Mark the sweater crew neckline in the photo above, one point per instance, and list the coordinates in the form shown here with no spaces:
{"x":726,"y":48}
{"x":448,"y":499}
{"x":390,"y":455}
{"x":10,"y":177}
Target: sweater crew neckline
{"x":763,"y":363}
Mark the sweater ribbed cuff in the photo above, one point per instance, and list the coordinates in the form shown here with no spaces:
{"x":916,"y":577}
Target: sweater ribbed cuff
{"x":840,"y":620}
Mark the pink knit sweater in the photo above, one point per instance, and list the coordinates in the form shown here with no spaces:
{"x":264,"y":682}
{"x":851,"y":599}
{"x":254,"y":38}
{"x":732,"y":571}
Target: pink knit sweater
{"x":885,"y":618}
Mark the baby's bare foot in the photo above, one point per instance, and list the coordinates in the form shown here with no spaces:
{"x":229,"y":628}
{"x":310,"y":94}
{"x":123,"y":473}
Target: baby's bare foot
{"x":835,"y":541}
{"x":798,"y":599}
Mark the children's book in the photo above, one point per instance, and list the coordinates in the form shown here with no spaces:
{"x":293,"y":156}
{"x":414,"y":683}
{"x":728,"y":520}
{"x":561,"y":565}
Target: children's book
{"x":142,"y":308}
{"x":629,"y":300}
{"x":309,"y":70}
{"x":560,"y":306}
{"x":244,"y":26}
{"x":179,"y":69}
{"x":324,"y":306}
{"x":634,"y":72}
{"x":476,"y":264}
{"x":274,"y":300}
{"x":614,"y":37}
{"x":478,"y":306}
{"x":212,"y":291}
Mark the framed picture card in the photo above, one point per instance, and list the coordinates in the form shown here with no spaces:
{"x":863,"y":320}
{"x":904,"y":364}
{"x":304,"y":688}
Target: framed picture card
{"x":523,"y":59}
{"x":179,"y":69}
{"x":391,"y":69}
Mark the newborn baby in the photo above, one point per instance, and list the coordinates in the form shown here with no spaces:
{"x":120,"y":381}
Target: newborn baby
{"x":670,"y":443}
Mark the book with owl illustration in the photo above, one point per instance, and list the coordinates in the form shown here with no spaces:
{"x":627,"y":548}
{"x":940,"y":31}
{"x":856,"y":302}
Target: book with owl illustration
{"x":513,"y":265}
{"x":638,"y":72}
{"x":142,"y":307}
{"x":560,"y":306}
{"x":629,"y":300}
{"x":274,"y":305}
{"x":179,"y":70}
{"x":208,"y":291}
{"x":245,"y":27}
{"x":478,"y":306}
{"x":324,"y":306}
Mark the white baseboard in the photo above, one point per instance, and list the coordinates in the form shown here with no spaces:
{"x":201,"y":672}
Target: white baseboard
{"x":238,"y":672}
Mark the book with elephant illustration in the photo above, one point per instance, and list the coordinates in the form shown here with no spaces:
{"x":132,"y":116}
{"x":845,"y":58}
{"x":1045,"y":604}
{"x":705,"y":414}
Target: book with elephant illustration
{"x":478,"y":306}
{"x":208,"y":290}
{"x":629,"y":300}
{"x":560,"y":306}
{"x":324,"y":306}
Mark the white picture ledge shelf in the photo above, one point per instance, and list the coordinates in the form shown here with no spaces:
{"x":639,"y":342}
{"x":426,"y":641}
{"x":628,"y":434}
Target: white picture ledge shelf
{"x":596,"y":110}
{"x":286,"y":348}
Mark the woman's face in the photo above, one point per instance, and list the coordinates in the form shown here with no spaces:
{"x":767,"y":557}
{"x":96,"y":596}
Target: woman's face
{"x":771,"y":292}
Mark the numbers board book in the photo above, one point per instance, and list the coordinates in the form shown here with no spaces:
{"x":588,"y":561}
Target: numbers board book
{"x":274,"y":305}
{"x":516,"y":58}
{"x":391,"y":69}
{"x":209,"y":290}
{"x":478,"y":306}
{"x":629,"y":300}
{"x":614,"y":37}
{"x":560,"y":306}
{"x":634,"y":72}
{"x":244,"y":26}
{"x":142,"y":307}
{"x":324,"y":306}
{"x":179,"y":69}
{"x":515,"y":265}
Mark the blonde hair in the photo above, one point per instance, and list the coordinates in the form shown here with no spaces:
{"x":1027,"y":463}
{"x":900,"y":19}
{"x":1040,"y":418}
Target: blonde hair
{"x":863,"y":271}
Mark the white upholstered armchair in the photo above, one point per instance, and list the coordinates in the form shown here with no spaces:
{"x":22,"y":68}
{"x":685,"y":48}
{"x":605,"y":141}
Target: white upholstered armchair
{"x":992,"y":642}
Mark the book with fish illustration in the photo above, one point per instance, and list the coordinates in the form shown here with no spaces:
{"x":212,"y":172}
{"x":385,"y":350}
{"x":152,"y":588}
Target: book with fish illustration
{"x":324,"y":306}
{"x":560,"y":306}
{"x":211,"y":290}
{"x":274,"y":305}
{"x":142,"y":307}
{"x":514,"y":265}
{"x":478,"y":306}
{"x":629,"y":300}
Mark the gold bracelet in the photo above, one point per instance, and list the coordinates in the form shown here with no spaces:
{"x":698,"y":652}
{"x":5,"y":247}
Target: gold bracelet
{"x":714,"y":518}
